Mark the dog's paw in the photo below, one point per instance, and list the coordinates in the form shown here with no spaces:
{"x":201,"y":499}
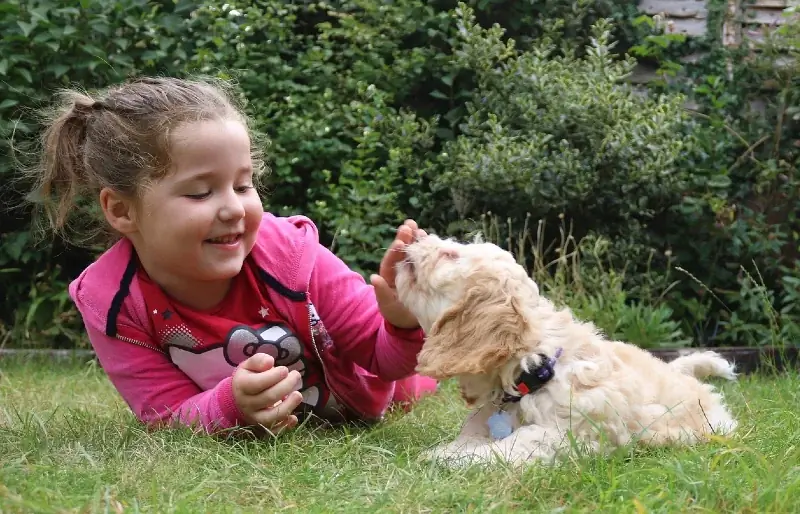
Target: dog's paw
{"x":457,"y":456}
{"x":442,"y":455}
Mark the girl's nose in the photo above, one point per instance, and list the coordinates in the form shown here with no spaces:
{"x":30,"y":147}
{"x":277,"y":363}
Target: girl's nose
{"x":232,"y":208}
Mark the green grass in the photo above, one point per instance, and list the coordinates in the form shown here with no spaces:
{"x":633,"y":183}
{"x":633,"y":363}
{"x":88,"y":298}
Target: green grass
{"x":69,"y":444}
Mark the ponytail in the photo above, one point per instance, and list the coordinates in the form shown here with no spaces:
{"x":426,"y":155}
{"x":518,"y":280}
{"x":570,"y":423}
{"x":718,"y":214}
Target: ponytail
{"x":61,"y":174}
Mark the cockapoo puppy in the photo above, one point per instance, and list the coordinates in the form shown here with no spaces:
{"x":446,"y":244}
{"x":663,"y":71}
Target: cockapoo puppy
{"x":534,"y":372}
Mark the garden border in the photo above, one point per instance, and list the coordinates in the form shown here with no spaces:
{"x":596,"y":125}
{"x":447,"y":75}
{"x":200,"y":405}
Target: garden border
{"x":747,"y":359}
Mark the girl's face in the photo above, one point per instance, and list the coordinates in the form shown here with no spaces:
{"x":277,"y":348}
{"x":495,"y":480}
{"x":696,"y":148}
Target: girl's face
{"x":196,"y":225}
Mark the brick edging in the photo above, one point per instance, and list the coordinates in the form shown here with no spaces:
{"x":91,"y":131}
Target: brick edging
{"x":747,"y":359}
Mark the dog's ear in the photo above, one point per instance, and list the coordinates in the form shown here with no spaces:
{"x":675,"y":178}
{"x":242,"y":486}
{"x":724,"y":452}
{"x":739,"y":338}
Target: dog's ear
{"x":482,"y":332}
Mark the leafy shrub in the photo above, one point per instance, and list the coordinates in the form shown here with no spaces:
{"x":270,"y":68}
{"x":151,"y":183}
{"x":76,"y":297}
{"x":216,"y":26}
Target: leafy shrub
{"x":735,"y":232}
{"x":44,"y":45}
{"x":381,"y":110}
{"x":550,"y":135}
{"x":320,"y":80}
{"x":357,"y":163}
{"x":578,"y":274}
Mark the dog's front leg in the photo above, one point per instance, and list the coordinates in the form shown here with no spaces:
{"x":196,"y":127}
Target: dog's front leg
{"x":474,"y":445}
{"x":473,"y":434}
{"x":526,"y":444}
{"x":530,"y":442}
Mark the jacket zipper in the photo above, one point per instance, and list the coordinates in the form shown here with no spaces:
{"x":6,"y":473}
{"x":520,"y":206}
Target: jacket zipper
{"x":322,"y":362}
{"x":139,"y":343}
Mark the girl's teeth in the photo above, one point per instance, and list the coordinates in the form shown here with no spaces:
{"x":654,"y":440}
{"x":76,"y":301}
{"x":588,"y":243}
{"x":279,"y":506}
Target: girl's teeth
{"x":224,"y":240}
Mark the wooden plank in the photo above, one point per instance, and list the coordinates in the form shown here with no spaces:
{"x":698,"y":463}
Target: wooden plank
{"x":690,"y":27}
{"x":764,"y":17}
{"x":693,"y":58}
{"x":731,"y":28}
{"x":642,"y":74}
{"x":680,"y":9}
{"x":756,"y":35}
{"x":773,"y":4}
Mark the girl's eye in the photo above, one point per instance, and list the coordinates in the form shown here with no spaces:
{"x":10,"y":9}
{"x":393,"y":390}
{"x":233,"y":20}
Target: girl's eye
{"x":200,"y":196}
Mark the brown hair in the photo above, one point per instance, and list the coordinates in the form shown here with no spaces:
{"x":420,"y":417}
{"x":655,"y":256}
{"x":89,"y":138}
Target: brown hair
{"x":120,"y":139}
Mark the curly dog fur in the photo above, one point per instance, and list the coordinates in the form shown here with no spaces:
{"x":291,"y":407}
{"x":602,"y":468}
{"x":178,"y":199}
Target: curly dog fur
{"x":486,"y":321}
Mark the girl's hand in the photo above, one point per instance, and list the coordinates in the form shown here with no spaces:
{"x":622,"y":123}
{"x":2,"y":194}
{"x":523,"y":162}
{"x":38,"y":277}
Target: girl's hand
{"x":392,"y":310}
{"x":258,"y":386}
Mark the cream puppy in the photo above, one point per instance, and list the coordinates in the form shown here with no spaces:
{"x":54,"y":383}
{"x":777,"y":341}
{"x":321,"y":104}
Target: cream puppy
{"x":534,"y":372}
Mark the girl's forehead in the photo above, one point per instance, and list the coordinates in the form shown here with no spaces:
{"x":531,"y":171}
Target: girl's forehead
{"x":201,"y":150}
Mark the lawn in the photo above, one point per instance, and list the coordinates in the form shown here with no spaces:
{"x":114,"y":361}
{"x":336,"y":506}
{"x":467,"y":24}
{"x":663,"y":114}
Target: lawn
{"x":68,"y":444}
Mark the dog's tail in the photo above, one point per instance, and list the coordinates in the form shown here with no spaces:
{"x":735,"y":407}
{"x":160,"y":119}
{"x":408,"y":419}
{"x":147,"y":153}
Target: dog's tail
{"x":704,"y":364}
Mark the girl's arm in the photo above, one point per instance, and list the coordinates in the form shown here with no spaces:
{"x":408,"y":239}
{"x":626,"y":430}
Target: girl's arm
{"x":347,"y":306}
{"x":158,"y":392}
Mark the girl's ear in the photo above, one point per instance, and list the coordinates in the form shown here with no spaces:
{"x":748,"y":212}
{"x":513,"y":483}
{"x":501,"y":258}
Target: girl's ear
{"x":478,"y":335}
{"x":118,"y":211}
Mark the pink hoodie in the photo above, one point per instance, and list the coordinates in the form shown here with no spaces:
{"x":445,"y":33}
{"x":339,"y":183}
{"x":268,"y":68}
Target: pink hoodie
{"x":366,"y":364}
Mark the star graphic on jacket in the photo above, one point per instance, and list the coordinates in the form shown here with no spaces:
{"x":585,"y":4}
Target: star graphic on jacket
{"x":263,"y":312}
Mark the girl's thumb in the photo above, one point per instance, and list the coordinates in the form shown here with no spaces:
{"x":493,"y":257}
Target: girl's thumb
{"x":382,"y":290}
{"x":258,"y":363}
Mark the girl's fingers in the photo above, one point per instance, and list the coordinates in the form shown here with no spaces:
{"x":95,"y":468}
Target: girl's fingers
{"x":278,"y":414}
{"x":276,"y":392}
{"x":254,"y":384}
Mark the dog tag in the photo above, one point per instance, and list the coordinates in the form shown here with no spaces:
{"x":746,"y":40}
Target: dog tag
{"x":500,"y":425}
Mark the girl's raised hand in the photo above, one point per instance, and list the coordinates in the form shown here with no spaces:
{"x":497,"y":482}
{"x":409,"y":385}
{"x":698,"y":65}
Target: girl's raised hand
{"x":392,"y":310}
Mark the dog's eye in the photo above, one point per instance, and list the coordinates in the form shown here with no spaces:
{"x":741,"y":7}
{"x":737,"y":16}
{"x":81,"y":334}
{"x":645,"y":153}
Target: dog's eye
{"x":450,"y":254}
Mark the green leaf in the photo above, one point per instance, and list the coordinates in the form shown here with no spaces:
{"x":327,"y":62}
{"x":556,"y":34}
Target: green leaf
{"x":26,"y":28}
{"x":40,"y":12}
{"x":8,"y":102}
{"x":720,"y":181}
{"x":25,"y":74}
{"x":58,"y":69}
{"x":647,"y":20}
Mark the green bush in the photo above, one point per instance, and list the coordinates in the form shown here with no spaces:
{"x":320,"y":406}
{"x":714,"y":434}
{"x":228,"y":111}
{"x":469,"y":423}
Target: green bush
{"x":380,"y":110}
{"x":358,"y":97}
{"x":578,"y":273}
{"x":320,"y":80}
{"x":553,"y":135}
{"x":735,"y":232}
{"x":45,"y":45}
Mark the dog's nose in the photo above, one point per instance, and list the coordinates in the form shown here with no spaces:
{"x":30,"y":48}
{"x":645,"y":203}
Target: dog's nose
{"x":408,"y":264}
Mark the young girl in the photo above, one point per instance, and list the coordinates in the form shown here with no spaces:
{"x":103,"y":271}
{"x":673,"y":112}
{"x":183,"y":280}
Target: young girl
{"x":208,"y":311}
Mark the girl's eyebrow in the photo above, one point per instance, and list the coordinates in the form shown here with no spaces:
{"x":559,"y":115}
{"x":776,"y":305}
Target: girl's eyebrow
{"x":197,"y":177}
{"x":208,"y":175}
